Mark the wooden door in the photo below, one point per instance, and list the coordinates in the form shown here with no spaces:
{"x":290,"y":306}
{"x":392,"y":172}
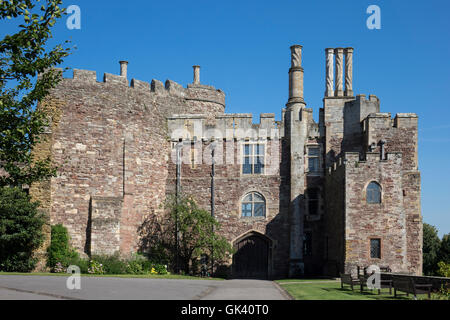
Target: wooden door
{"x":251,"y":260}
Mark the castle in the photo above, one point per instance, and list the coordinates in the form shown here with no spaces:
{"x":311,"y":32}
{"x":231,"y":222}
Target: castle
{"x":294,"y":197}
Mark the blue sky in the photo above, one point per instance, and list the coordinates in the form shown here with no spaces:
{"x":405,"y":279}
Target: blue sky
{"x":243,"y":49}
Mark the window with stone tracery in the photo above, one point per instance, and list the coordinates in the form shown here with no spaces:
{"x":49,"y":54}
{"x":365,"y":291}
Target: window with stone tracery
{"x":253,"y":158}
{"x":253,"y":205}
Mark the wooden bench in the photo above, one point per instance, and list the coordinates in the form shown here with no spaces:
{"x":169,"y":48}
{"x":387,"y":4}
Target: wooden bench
{"x":348,"y":280}
{"x":408,"y":285}
{"x":384,"y":283}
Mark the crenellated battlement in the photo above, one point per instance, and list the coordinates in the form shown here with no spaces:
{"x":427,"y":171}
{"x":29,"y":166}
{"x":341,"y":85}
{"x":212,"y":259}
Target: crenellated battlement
{"x":363,"y":97}
{"x":225,"y":126}
{"x":355,"y":159}
{"x":383,"y":121}
{"x":193,"y":92}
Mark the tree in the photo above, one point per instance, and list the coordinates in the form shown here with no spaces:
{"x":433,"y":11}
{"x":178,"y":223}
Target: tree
{"x":20,"y":230}
{"x":444,"y":250}
{"x":431,"y":245}
{"x":24,"y":56}
{"x":197,"y":234}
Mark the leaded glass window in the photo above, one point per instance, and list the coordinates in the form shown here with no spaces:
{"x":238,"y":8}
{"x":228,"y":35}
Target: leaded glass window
{"x":254,"y":155}
{"x":375,"y":248}
{"x":253,"y":205}
{"x":373,"y":193}
{"x":313,"y":159}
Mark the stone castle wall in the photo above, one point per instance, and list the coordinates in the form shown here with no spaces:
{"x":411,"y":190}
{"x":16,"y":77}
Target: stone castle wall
{"x":115,"y":147}
{"x":111,"y":148}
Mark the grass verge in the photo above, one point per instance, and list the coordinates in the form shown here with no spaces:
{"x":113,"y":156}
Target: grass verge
{"x":143,"y":276}
{"x":320,"y":289}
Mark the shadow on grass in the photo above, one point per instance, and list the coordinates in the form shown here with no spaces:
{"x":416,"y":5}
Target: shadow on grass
{"x":371,"y":294}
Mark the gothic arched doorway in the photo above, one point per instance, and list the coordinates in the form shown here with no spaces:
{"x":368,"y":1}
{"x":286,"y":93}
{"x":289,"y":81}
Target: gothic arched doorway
{"x":252,"y":256}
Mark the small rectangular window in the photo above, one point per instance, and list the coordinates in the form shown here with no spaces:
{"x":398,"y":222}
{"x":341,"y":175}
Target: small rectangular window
{"x":375,"y":248}
{"x":313,"y":159}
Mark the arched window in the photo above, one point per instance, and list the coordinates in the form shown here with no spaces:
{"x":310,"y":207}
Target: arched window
{"x":254,"y":205}
{"x":373,"y":193}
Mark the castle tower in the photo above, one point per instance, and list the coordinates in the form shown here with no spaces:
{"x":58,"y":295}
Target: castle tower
{"x":296,"y":133}
{"x":204,"y":99}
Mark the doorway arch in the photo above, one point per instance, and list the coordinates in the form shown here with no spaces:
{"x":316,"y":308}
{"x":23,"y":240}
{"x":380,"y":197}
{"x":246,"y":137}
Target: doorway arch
{"x":253,"y":253}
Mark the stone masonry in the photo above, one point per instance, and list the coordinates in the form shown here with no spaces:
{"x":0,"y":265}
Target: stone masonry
{"x":114,"y":143}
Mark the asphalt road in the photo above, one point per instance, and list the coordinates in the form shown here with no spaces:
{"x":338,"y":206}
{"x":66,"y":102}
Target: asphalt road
{"x":45,"y":288}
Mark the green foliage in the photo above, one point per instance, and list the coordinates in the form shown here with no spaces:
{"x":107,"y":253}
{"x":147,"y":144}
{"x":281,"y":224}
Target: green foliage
{"x":20,"y":230}
{"x":114,"y":264}
{"x":83,"y":264}
{"x":23,"y":56}
{"x":444,"y":250}
{"x":196,"y":230}
{"x":160,"y":269}
{"x":136,"y":264}
{"x":111,"y":264}
{"x":444,"y":269}
{"x":431,"y":245}
{"x":59,"y":249}
{"x":96,"y":267}
{"x":442,"y":294}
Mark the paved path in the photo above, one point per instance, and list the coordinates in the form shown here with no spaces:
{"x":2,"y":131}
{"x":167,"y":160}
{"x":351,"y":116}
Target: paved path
{"x":52,"y":287}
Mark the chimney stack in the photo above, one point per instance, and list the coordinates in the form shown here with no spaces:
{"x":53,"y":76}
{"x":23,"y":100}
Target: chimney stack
{"x":339,"y":91}
{"x":196,"y":74}
{"x":349,"y":72}
{"x":123,"y":68}
{"x":329,"y":54}
{"x":296,"y":76}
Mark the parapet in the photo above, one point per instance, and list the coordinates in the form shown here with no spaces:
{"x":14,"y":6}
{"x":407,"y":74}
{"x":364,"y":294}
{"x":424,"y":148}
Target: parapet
{"x":114,"y":79}
{"x":204,"y":93}
{"x":383,"y":121}
{"x":362,"y":97}
{"x":175,"y":89}
{"x":140,"y":85}
{"x":355,"y":159}
{"x":85,"y":75}
{"x":406,"y":120}
{"x":227,"y":126}
{"x":196,"y":94}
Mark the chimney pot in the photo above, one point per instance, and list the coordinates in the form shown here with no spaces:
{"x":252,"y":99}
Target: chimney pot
{"x":123,"y":68}
{"x":196,"y":74}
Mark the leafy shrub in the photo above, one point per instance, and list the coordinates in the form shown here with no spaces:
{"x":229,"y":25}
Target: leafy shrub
{"x":444,"y":269}
{"x":20,"y":230}
{"x":59,"y":250}
{"x":138,"y":264}
{"x":134,"y":267}
{"x":96,"y":267}
{"x":112,"y":264}
{"x":83,"y":264}
{"x":59,"y":268}
{"x":160,"y":268}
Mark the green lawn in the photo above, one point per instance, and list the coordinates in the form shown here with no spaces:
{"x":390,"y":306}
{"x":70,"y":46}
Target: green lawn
{"x":320,"y":289}
{"x":146,"y":276}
